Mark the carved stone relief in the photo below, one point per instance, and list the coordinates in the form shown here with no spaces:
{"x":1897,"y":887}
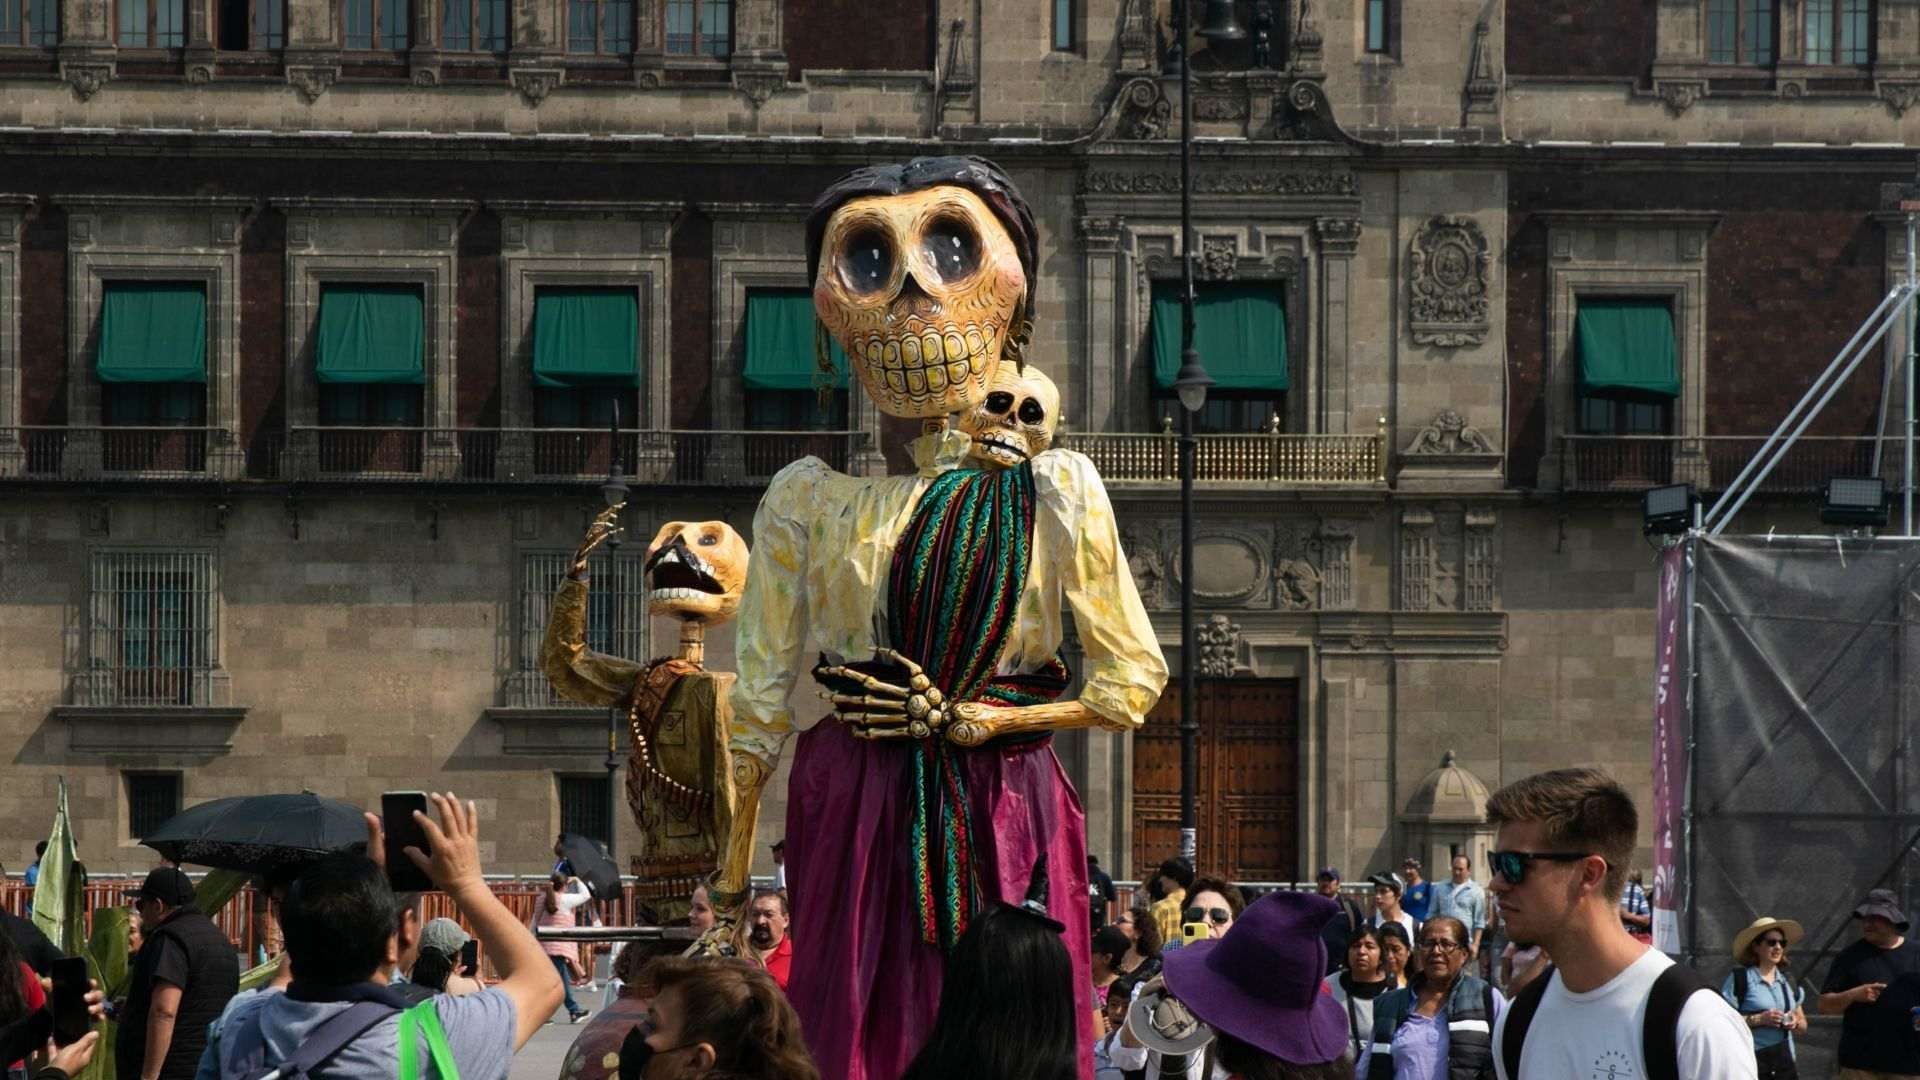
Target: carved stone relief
{"x":1218,"y":652}
{"x":1449,"y":559}
{"x":311,"y":80}
{"x":535,"y":84}
{"x":1449,"y":433}
{"x":1448,"y":283}
{"x":1224,"y":182}
{"x":1147,"y":559}
{"x":1217,"y":258}
{"x":1336,"y":565}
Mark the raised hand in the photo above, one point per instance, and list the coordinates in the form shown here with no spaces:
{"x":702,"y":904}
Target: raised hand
{"x":604,"y":526}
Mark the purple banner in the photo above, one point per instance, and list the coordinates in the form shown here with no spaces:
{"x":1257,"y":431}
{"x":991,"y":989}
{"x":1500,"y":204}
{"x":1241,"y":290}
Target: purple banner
{"x":1670,"y":722}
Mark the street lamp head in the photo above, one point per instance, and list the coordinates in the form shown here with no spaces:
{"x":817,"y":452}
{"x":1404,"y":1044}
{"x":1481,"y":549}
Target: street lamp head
{"x":1193,"y":381}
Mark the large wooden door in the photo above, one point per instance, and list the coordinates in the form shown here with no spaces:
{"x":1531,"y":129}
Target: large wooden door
{"x":1246,"y":806}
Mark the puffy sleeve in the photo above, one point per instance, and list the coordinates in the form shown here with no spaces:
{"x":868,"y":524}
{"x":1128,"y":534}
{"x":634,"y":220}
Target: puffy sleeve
{"x":772,"y":624}
{"x":1125,"y":670}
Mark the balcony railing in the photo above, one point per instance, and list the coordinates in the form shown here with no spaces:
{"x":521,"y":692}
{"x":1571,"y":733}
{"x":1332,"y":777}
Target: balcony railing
{"x":145,"y":453}
{"x":1269,"y":458}
{"x":1597,"y":463}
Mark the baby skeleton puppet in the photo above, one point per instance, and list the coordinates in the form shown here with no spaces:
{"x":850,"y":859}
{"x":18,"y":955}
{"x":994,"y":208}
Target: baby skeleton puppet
{"x":937,"y":600}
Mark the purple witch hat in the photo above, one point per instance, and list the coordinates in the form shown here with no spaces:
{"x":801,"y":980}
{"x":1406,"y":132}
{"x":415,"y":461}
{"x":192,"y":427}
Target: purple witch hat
{"x":1260,"y":983}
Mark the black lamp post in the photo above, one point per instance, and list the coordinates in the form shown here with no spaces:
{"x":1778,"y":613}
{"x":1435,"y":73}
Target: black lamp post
{"x":1191,"y":385}
{"x":614,"y":491}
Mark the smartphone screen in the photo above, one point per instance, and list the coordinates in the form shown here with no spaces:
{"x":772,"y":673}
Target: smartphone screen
{"x":470,"y":958}
{"x":70,"y":1019}
{"x":402,"y":832}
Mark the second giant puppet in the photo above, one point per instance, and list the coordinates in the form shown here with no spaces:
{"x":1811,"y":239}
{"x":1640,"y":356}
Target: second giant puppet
{"x":937,"y":600}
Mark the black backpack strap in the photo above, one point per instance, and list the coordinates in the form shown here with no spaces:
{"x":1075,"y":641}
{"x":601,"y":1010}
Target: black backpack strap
{"x":329,"y":1039}
{"x":1660,"y":1032}
{"x":1519,"y":1017}
{"x":1740,"y":989}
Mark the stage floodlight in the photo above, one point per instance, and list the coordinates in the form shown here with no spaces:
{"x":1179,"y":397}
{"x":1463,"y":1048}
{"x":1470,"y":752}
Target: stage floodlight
{"x":1855,"y":500}
{"x":1667,"y":511}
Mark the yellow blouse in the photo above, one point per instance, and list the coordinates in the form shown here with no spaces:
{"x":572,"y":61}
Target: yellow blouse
{"x":823,"y":550}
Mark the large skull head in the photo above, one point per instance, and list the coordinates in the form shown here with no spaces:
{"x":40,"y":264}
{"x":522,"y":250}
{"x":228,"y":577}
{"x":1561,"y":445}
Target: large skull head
{"x":1016,"y":420}
{"x":921,"y":272}
{"x":695,"y":571}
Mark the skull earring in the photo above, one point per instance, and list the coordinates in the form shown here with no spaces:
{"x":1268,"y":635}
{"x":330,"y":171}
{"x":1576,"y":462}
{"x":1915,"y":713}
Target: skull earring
{"x":1019,"y":334}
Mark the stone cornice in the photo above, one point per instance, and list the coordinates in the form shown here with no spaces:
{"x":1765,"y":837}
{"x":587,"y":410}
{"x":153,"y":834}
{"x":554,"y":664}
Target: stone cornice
{"x":1650,"y":219}
{"x":199,"y":203}
{"x":373,"y":207}
{"x":1361,"y":633}
{"x":617,"y":208}
{"x":195,"y":730}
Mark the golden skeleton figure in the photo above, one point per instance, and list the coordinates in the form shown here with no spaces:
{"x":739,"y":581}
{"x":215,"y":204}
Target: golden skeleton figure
{"x":679,"y":777}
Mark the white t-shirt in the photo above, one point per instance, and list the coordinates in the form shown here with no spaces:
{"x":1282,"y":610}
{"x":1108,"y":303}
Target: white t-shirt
{"x":1404,"y":919}
{"x":1598,"y":1033}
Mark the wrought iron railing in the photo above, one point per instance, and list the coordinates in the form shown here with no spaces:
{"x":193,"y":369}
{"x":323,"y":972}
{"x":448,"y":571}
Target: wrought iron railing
{"x":1601,"y":463}
{"x":148,"y":453}
{"x":1269,"y":458}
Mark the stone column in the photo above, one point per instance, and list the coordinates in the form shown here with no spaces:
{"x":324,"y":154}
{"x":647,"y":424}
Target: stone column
{"x":539,"y":39}
{"x":759,"y":61}
{"x":1339,"y":240}
{"x":86,"y":45}
{"x":202,"y":28}
{"x":1108,"y":290}
{"x":313,"y":47}
{"x":13,"y":454}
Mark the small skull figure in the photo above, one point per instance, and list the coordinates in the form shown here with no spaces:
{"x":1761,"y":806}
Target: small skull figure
{"x":695,"y":571}
{"x":1016,"y":421}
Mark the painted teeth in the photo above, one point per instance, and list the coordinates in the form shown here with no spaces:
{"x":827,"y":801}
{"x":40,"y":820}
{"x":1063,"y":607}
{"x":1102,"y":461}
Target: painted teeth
{"x":676,"y":594}
{"x":936,"y":378}
{"x":916,"y":379}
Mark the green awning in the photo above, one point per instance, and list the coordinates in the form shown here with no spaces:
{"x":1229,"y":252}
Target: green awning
{"x":371,"y":334}
{"x":586,"y":337}
{"x":1240,"y":330}
{"x":153,"y":331}
{"x":1627,"y":345}
{"x":780,"y":342}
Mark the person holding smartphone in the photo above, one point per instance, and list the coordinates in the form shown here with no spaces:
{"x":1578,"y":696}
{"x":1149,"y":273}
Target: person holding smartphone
{"x":444,"y":947}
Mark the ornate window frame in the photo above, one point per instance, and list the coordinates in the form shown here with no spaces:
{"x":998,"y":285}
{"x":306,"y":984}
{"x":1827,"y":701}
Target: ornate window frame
{"x":156,"y":238}
{"x":1604,"y":253}
{"x":615,"y":244}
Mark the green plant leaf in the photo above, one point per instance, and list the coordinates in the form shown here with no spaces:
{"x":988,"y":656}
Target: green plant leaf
{"x":218,"y":889}
{"x":107,"y":963}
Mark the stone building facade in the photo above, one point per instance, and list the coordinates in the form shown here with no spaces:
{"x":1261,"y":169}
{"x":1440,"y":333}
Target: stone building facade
{"x":1423,"y":548}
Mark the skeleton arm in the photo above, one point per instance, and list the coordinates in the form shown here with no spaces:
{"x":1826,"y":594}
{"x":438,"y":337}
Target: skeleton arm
{"x":578,"y":673}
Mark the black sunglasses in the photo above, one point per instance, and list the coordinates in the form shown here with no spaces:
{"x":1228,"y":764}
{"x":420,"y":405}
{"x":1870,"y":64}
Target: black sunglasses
{"x":1512,"y":865}
{"x":1220,"y":916}
{"x":1781,"y":942}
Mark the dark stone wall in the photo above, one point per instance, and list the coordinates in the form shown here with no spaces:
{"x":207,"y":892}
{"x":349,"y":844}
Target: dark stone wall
{"x":1795,"y":264}
{"x":1611,"y":39}
{"x":43,"y":319}
{"x":845,"y":34}
{"x":477,"y":333}
{"x":263,"y":333}
{"x":691,"y":333}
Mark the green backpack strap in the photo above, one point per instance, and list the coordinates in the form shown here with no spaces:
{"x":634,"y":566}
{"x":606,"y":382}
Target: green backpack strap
{"x":424,"y":1018}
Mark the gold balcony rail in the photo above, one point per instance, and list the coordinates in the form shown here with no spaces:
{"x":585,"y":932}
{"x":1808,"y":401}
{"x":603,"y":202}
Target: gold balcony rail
{"x":147,"y":453}
{"x":1263,"y":458}
{"x":1602,"y":463}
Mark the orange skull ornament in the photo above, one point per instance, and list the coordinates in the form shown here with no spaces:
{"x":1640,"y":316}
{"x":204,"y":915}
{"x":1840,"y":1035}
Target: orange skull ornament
{"x":1016,"y":421}
{"x":921,"y":273}
{"x":695,"y":571}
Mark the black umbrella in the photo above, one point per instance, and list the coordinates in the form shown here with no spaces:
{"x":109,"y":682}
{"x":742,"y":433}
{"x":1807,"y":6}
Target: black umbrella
{"x":259,"y":833}
{"x":591,"y":865}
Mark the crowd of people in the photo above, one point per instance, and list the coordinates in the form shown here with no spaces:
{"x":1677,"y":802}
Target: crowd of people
{"x":1542,"y":971}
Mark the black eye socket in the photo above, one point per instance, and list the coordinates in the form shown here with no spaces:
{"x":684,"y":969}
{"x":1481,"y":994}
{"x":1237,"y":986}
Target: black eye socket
{"x":998,"y":402}
{"x":709,"y":539}
{"x":953,"y":249}
{"x":1031,"y":412}
{"x":866,"y":262}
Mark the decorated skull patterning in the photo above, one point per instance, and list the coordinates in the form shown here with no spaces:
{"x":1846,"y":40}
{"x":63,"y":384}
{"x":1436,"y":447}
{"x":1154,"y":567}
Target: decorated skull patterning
{"x":1016,"y":420}
{"x":921,"y":290}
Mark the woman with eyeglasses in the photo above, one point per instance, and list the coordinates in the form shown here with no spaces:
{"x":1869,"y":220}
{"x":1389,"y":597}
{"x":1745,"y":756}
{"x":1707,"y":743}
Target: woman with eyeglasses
{"x":1358,"y":985}
{"x":1763,"y":992}
{"x":1215,"y":904}
{"x":1440,"y":1026}
{"x":1142,"y":961}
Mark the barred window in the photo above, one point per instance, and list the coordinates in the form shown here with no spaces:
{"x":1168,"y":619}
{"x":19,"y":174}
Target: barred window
{"x":152,"y":798}
{"x":1839,"y":31}
{"x":583,"y":806}
{"x":153,"y":24}
{"x":617,"y":621}
{"x":1740,"y":31}
{"x":474,"y":26}
{"x":604,"y":27}
{"x":153,"y":628}
{"x":30,"y":22}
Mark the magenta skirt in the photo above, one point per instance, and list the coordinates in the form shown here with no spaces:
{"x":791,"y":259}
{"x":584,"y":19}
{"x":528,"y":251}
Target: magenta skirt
{"x":865,"y":985}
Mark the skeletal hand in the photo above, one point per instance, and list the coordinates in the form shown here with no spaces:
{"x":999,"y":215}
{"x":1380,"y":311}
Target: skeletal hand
{"x":887,"y":710}
{"x":603,"y":527}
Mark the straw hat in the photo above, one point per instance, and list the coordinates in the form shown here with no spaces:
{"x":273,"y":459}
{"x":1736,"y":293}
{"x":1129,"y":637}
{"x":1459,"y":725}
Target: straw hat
{"x":1744,"y":939}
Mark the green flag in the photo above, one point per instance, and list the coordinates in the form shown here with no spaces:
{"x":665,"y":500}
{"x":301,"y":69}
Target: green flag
{"x":56,"y":896}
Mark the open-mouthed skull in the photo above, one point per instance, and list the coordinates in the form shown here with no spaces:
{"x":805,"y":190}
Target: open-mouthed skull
{"x":1017,"y":418}
{"x":695,"y":571}
{"x":920,"y":288}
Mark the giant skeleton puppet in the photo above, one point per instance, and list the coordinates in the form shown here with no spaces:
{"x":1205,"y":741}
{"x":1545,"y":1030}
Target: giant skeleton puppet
{"x":936,"y":601}
{"x":679,"y":778}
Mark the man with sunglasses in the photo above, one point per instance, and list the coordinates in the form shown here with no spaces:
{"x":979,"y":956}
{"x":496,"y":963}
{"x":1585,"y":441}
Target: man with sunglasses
{"x":1564,"y":841}
{"x":1872,"y":983}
